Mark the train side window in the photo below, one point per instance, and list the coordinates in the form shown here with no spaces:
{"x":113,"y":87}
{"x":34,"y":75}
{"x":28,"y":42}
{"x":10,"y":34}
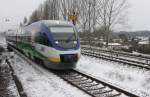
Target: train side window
{"x":45,"y":40}
{"x":38,"y":39}
{"x":42,"y":39}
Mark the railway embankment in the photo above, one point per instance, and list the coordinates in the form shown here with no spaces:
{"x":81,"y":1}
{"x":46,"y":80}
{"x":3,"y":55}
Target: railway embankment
{"x":8,"y":86}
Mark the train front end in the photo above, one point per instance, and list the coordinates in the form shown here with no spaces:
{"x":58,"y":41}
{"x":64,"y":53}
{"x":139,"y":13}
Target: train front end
{"x":64,"y":52}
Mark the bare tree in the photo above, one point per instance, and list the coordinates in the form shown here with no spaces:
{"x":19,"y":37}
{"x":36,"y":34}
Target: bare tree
{"x":25,"y":20}
{"x":69,"y":7}
{"x":46,"y":12}
{"x":111,"y":12}
{"x":34,"y":17}
{"x":91,"y":14}
{"x":87,"y":15}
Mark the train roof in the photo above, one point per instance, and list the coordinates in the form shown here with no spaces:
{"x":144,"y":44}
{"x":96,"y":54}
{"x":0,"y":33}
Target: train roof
{"x":55,"y":23}
{"x":36,"y":26}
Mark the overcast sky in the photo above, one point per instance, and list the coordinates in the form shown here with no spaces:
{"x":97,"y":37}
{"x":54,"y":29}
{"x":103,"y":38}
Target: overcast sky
{"x":15,"y":10}
{"x":139,"y":14}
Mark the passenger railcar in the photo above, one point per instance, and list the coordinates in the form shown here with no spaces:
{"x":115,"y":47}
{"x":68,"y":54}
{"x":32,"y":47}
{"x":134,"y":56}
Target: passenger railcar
{"x":55,"y":43}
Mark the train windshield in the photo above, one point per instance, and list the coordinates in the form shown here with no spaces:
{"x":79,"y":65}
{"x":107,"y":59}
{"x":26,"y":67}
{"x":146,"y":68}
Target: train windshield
{"x":65,"y":37}
{"x":63,"y":33}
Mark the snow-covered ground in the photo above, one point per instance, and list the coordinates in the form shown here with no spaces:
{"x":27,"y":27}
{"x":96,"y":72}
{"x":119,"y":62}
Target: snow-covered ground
{"x":40,"y":82}
{"x":2,"y":41}
{"x":8,"y":86}
{"x":133,"y":79}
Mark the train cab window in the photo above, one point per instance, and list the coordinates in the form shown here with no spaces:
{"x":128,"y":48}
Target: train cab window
{"x":45,"y":39}
{"x":42,"y":39}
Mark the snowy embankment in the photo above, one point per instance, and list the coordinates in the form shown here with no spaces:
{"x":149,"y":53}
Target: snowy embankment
{"x":133,"y":79}
{"x":40,"y":82}
{"x":7,"y":84}
{"x":3,"y":41}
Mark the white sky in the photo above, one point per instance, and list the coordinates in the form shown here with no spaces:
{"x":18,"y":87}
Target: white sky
{"x":15,"y":10}
{"x":139,"y":14}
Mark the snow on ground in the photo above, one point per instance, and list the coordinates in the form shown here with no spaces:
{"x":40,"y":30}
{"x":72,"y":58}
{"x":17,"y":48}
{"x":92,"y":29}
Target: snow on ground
{"x":39,"y":82}
{"x":8,"y":87}
{"x":3,"y":41}
{"x":133,"y":79}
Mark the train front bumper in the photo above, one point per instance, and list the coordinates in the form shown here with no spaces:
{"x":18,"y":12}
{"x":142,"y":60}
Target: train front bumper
{"x":59,"y":66}
{"x":65,"y":61}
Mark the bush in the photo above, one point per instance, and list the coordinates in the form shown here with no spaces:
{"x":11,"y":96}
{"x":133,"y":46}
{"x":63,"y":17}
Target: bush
{"x":145,"y":48}
{"x":127,"y":50}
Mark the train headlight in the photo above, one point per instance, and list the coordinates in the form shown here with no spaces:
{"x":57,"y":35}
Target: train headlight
{"x":75,"y":42}
{"x":56,"y":42}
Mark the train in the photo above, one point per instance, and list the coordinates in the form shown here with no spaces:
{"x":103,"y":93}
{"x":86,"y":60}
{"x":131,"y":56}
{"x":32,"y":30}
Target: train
{"x":54,"y":43}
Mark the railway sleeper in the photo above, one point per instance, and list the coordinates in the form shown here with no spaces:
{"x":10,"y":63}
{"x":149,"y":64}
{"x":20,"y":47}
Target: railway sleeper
{"x":69,"y":75}
{"x":92,"y":89}
{"x":101,"y":91}
{"x":89,"y":88}
{"x":89,"y":85}
{"x":79,"y":76}
{"x":73,"y":78}
{"x":104,"y":92}
{"x":106,"y":95}
{"x":65,"y":75}
{"x":84,"y":82}
{"x":74,"y":75}
{"x":76,"y":81}
{"x":116,"y":95}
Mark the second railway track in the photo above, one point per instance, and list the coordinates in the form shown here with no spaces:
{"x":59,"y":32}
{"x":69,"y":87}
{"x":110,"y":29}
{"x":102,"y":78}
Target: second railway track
{"x":116,"y":59}
{"x":88,"y":84}
{"x":119,"y":53}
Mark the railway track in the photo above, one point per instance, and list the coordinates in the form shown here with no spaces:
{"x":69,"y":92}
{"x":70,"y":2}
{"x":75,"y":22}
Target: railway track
{"x":116,"y":59}
{"x":146,"y":58}
{"x":86,"y":83}
{"x":91,"y":85}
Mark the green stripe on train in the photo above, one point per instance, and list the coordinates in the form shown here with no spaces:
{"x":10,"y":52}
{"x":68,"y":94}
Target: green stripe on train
{"x":27,"y":48}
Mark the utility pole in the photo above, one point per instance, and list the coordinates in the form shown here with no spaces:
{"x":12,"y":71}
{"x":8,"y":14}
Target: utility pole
{"x":89,"y":36}
{"x":73,"y":13}
{"x":94,"y":21}
{"x":89,"y":16}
